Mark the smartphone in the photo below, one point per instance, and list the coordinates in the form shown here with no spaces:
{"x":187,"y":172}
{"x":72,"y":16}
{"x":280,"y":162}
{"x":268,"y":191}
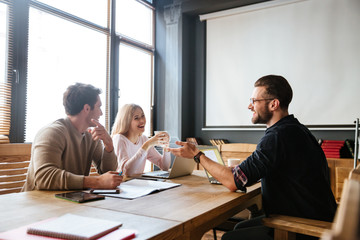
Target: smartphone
{"x":105,"y":191}
{"x":79,"y":197}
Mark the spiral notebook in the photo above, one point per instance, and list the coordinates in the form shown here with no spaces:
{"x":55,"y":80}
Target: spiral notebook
{"x":70,"y":226}
{"x":20,"y":233}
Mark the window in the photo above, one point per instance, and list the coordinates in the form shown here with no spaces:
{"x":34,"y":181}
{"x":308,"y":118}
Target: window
{"x":135,"y":81}
{"x":59,"y":57}
{"x":140,"y":17}
{"x":84,"y":9}
{"x":60,"y":42}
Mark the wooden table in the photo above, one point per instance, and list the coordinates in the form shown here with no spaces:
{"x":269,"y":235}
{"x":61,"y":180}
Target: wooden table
{"x":184,"y":212}
{"x":20,"y":209}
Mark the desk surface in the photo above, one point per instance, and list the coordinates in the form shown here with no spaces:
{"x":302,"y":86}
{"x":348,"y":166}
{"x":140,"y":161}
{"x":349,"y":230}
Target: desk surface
{"x":184,"y":212}
{"x":20,"y":209}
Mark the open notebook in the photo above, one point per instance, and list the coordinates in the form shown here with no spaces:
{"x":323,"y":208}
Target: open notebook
{"x":138,"y":187}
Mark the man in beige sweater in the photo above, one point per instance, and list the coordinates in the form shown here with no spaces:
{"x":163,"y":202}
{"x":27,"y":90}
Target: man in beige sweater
{"x":62,"y":152}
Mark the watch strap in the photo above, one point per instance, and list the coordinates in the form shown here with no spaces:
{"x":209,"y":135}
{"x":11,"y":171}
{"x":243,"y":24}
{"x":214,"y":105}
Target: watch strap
{"x":197,"y":157}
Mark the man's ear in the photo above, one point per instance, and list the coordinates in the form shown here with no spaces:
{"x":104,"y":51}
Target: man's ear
{"x":87,"y":108}
{"x":274,"y":104}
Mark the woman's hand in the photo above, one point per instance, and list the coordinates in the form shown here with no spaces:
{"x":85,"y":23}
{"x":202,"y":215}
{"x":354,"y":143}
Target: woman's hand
{"x":161,"y":138}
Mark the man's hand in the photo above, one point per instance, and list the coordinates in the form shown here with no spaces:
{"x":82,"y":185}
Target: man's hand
{"x":220,"y":172}
{"x":109,"y":180}
{"x":99,"y":132}
{"x":188,"y":150}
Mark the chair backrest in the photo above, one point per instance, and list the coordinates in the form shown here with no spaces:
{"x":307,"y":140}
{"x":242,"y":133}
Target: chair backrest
{"x":339,"y":169}
{"x":347,"y":218}
{"x":341,"y":174}
{"x":236,"y":150}
{"x":355,"y":174}
{"x":14,"y":162}
{"x":93,"y":171}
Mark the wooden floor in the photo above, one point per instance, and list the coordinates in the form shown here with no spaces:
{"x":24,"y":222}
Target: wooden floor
{"x":210,"y":235}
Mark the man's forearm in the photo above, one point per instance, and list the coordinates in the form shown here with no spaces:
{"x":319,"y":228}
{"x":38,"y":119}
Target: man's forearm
{"x":91,"y":182}
{"x":220,"y":172}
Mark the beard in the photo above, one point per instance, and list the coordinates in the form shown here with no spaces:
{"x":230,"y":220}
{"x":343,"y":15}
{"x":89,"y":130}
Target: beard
{"x":262,"y":117}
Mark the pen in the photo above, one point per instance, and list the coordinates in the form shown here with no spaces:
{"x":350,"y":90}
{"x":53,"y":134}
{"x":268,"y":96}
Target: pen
{"x":151,"y":179}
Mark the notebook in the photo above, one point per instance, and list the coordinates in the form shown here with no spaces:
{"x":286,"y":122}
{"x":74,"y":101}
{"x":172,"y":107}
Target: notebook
{"x":213,"y":153}
{"x":139,"y":187}
{"x":20,"y":233}
{"x":70,"y":226}
{"x":181,"y":167}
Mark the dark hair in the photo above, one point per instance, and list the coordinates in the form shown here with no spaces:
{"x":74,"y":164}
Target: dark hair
{"x":276,"y":87}
{"x":77,"y":95}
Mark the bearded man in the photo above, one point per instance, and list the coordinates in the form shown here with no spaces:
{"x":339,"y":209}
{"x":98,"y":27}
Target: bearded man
{"x":288,"y":160}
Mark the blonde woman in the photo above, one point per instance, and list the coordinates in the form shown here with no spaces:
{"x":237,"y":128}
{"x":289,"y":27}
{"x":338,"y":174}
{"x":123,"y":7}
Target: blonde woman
{"x":132,"y":147}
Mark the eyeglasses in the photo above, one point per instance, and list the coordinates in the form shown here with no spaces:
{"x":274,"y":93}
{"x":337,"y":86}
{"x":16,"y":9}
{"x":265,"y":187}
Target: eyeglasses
{"x":253,"y":100}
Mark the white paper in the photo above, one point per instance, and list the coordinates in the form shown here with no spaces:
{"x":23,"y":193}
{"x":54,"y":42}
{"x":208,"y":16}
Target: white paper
{"x":210,"y":154}
{"x":137,"y":188}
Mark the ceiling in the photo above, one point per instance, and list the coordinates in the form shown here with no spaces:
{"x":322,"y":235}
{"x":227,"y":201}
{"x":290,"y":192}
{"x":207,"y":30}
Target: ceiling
{"x":196,"y":7}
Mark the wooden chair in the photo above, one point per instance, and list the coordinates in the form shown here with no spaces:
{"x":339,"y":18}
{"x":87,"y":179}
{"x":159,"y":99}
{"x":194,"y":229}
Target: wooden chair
{"x":339,"y":169}
{"x":347,"y":219}
{"x":236,"y":150}
{"x":341,"y":174}
{"x":345,"y":225}
{"x":14,"y":162}
{"x":93,"y":171}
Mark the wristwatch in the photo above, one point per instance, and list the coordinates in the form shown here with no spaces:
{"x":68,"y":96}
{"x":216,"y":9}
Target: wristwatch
{"x":197,"y":157}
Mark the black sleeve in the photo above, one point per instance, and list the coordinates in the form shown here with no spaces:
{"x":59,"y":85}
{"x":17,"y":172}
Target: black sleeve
{"x":257,"y":165}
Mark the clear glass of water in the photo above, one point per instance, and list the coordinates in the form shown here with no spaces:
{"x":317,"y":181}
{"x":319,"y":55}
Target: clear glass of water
{"x":166,"y":139}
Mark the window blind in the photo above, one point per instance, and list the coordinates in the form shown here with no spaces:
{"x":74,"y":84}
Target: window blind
{"x":5,"y":83}
{"x":5,"y":111}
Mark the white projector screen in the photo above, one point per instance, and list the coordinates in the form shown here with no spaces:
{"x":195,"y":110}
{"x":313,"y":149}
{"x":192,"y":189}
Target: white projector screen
{"x":314,"y":44}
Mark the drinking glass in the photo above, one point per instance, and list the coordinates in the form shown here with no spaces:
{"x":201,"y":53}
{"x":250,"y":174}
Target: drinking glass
{"x":164,"y":144}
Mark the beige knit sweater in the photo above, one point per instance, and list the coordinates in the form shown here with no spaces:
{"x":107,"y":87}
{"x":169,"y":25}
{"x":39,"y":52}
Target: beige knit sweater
{"x":61,"y":157}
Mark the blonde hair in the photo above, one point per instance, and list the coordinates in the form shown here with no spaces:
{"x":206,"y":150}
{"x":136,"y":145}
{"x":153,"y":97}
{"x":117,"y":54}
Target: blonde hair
{"x":123,"y":119}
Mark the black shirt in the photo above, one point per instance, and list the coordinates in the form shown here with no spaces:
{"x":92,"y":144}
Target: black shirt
{"x":293,"y":172}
